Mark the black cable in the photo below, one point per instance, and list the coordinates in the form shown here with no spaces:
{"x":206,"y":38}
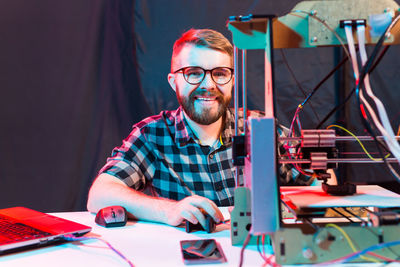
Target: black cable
{"x":365,"y":70}
{"x":336,"y":108}
{"x":371,"y":128}
{"x":259,"y":249}
{"x":325,"y":79}
{"x":343,"y":215}
{"x":313,"y":225}
{"x":379,"y":143}
{"x":297,"y":82}
{"x":252,"y":6}
{"x":355,"y":215}
{"x":379,"y":58}
{"x":351,"y":92}
{"x":315,"y":89}
{"x":339,"y":106}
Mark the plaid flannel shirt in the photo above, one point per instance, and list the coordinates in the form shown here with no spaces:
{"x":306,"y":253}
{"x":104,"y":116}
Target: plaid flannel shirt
{"x":171,"y":162}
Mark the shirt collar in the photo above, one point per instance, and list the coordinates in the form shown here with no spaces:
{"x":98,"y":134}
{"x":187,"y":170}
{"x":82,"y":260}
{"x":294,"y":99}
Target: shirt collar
{"x":183,"y":133}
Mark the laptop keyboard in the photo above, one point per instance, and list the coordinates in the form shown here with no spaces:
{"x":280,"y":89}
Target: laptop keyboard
{"x":11,"y":231}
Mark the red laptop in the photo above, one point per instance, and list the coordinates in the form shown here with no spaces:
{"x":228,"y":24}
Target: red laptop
{"x":23,"y":228}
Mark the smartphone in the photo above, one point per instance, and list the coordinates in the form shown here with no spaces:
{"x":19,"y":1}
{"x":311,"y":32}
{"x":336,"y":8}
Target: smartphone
{"x":200,"y":251}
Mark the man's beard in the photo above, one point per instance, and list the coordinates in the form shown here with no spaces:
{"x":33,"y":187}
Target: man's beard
{"x":204,"y":116}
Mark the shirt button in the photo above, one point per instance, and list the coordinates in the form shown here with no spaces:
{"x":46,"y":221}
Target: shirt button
{"x":211,"y":156}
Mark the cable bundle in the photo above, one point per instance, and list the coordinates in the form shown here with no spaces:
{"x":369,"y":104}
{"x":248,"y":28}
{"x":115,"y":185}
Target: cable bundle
{"x":381,"y":121}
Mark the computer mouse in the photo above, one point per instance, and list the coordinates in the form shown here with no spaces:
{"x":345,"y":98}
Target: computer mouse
{"x":112,"y":216}
{"x":210,"y":225}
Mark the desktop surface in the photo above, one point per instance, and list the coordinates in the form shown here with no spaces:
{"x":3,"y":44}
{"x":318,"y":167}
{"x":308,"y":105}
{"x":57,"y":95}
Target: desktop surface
{"x":143,"y":243}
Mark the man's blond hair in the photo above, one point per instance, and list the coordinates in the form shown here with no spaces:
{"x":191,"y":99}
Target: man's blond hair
{"x":204,"y":38}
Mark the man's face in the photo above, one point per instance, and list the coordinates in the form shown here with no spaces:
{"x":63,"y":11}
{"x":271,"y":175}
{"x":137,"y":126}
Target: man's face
{"x":206,"y":102}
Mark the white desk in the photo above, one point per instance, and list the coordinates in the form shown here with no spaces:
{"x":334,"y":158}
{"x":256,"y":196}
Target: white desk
{"x":143,"y":243}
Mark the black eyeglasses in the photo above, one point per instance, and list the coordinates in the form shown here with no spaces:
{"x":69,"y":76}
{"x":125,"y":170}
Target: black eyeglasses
{"x":195,"y":75}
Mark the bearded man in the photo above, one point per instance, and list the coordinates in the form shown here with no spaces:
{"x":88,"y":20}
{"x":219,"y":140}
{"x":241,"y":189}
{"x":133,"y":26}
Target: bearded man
{"x":177,"y":165}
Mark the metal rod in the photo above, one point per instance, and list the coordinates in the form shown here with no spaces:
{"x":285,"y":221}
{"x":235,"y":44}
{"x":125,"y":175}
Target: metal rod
{"x":338,"y":138}
{"x":244,"y":54}
{"x":342,"y":160}
{"x":236,"y":102}
{"x":236,"y":88}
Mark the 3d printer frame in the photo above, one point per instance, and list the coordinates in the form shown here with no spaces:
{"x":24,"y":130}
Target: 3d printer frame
{"x":310,"y":237}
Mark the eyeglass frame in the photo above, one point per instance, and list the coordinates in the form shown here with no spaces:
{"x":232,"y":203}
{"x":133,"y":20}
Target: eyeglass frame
{"x":205,"y":73}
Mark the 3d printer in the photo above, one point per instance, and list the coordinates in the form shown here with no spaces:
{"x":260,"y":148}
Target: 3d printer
{"x":311,"y":236}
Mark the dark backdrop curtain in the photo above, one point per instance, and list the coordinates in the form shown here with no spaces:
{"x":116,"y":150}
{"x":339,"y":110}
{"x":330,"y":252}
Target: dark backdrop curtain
{"x":75,"y":75}
{"x":70,"y":93}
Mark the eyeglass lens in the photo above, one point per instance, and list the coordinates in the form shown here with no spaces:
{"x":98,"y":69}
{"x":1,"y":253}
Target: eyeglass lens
{"x":195,"y":75}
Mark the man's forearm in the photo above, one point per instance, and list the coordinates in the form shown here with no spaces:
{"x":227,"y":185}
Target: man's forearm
{"x":107,"y":191}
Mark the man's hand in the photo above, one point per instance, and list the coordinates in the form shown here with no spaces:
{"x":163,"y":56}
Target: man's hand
{"x":190,"y":208}
{"x":108,"y":190}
